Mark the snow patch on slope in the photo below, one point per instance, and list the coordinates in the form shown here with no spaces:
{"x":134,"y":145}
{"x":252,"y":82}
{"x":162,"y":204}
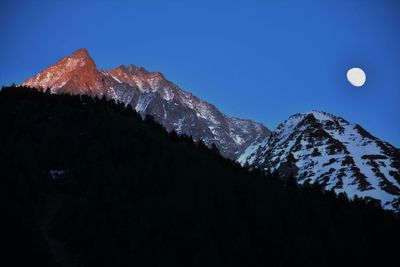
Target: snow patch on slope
{"x":333,"y":152}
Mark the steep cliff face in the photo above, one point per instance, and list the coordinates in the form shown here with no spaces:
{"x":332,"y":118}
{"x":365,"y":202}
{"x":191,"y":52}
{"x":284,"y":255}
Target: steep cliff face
{"x":74,"y":74}
{"x":320,"y":147}
{"x":151,"y":93}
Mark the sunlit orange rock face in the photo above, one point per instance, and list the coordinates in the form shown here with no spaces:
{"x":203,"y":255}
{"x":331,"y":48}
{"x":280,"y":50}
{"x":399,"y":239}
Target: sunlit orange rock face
{"x":139,"y":76}
{"x":78,"y":74}
{"x":74,"y":74}
{"x":151,"y":93}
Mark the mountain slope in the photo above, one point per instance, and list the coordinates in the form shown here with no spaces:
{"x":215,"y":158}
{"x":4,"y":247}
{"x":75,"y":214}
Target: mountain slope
{"x":150,"y":93}
{"x":320,"y":147}
{"x":131,"y":194}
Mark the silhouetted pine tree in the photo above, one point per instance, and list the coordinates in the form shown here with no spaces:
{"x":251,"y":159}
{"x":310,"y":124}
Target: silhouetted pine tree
{"x":135,"y":195}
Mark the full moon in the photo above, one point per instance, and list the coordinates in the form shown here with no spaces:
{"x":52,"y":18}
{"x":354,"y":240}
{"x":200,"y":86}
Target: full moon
{"x":356,"y":77}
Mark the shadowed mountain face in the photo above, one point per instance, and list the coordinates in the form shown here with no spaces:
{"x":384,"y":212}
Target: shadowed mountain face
{"x":150,"y":93}
{"x":89,"y":183}
{"x":320,"y":147}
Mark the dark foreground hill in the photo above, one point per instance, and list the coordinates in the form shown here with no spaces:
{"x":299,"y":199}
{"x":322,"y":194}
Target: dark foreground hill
{"x":86,"y":182}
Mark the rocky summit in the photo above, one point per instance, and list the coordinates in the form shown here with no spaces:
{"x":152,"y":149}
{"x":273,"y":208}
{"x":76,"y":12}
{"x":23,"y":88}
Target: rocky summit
{"x":150,"y":93}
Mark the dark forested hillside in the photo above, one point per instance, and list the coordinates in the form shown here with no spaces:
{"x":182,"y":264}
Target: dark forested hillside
{"x":86,"y":182}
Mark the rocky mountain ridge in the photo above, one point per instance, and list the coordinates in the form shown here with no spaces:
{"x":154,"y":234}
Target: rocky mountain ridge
{"x":320,"y":147}
{"x":151,"y":93}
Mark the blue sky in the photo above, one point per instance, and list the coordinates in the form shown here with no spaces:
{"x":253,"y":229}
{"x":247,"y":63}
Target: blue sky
{"x":262,"y":60}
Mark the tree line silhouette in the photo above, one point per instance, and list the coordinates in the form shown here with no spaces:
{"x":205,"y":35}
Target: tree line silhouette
{"x":133,"y":194}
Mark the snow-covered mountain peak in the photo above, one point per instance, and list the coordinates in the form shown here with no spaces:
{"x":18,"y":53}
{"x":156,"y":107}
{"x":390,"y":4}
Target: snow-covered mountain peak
{"x":319,"y":116}
{"x":320,"y":147}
